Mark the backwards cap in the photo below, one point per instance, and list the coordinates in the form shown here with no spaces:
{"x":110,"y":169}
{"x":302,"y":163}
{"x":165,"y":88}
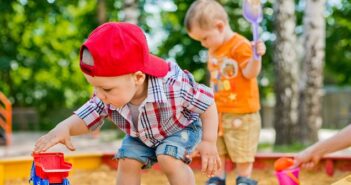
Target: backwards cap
{"x":120,"y":48}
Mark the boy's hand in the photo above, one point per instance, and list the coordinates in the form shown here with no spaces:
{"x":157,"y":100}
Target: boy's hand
{"x":307,"y":159}
{"x":260,"y":47}
{"x":60,"y":134}
{"x":209,"y":157}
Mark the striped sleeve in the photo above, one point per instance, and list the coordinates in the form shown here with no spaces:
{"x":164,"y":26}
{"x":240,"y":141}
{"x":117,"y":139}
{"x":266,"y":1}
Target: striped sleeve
{"x":93,"y":113}
{"x":196,"y":97}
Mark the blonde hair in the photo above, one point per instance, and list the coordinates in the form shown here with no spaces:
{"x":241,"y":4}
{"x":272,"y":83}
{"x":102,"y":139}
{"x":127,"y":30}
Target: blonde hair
{"x":202,"y":13}
{"x":87,"y":58}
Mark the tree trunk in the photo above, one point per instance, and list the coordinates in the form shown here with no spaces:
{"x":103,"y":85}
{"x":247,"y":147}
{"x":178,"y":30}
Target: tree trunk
{"x":101,"y":11}
{"x":310,"y":119}
{"x":131,"y":12}
{"x":286,"y":69}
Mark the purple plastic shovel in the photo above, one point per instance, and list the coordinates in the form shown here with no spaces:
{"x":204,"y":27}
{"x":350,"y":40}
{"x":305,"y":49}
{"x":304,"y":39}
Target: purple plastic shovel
{"x":252,"y":12}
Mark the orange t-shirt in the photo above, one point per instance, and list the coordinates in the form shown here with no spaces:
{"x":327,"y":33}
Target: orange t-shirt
{"x":233,"y":92}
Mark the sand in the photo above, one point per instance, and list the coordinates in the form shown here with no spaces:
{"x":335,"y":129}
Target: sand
{"x":106,"y":176}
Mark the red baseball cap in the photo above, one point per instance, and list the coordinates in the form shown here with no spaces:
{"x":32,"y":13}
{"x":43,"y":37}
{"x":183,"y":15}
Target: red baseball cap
{"x":120,"y":48}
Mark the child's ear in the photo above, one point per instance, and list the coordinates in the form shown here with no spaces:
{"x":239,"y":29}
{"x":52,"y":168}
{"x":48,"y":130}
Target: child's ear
{"x":220,"y":25}
{"x":139,"y":77}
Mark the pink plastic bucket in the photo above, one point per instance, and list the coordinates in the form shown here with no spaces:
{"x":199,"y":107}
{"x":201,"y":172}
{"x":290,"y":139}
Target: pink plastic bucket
{"x":288,"y":177}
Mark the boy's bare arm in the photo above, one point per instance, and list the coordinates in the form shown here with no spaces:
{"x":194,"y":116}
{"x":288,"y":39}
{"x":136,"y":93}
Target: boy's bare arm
{"x":76,"y":125}
{"x":209,"y":121}
{"x":253,"y":68}
{"x":71,"y":126}
{"x":207,"y":148}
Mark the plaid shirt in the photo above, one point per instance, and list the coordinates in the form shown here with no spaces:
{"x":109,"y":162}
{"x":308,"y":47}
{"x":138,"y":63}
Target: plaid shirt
{"x":173,"y":102}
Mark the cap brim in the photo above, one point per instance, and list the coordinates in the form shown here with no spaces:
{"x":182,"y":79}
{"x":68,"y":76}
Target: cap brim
{"x":157,"y":66}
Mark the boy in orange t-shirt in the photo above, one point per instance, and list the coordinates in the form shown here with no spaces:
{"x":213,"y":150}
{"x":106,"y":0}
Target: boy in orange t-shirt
{"x":233,"y":77}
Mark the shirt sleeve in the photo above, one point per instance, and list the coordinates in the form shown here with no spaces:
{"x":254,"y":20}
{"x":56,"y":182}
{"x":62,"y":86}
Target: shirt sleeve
{"x":93,"y":113}
{"x":243,"y":53}
{"x":194,"y":96}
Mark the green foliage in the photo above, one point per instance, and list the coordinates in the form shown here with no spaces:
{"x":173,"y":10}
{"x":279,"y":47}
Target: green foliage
{"x":39,"y":49}
{"x":338,"y":44}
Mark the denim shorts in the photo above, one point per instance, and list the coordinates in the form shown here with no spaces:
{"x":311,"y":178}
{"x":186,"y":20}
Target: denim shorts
{"x":177,"y":145}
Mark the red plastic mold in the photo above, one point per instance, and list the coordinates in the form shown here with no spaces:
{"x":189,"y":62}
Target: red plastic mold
{"x":283,"y":163}
{"x":51,"y":166}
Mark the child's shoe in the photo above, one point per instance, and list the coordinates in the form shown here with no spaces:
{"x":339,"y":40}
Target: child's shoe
{"x":215,"y":181}
{"x":245,"y":181}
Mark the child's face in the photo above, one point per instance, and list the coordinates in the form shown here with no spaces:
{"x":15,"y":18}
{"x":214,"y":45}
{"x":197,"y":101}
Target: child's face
{"x":210,"y":38}
{"x":116,"y":91}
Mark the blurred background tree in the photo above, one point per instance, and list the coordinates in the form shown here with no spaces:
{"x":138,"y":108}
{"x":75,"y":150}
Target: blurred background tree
{"x":311,"y":78}
{"x":286,"y":70}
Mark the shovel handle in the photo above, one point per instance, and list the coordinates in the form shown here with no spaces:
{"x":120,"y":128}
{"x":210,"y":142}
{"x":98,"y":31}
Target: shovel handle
{"x":255,"y":38}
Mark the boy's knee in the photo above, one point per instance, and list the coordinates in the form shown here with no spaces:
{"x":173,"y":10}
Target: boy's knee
{"x":169,"y":164}
{"x":129,"y":165}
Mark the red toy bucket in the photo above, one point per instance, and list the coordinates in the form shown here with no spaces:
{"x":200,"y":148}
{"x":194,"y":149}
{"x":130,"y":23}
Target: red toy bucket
{"x":51,"y":166}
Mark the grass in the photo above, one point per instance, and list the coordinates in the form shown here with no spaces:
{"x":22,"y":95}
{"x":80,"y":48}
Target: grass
{"x":269,"y":147}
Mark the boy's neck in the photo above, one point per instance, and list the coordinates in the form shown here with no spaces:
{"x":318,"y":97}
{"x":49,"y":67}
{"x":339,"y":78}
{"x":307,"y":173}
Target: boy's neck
{"x":140,"y":94}
{"x":228,"y":34}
